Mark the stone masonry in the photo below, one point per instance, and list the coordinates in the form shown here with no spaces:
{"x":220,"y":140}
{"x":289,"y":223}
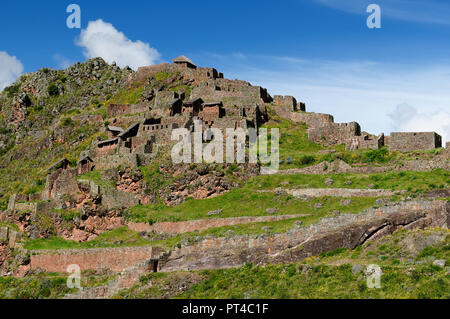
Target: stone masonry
{"x":406,"y":141}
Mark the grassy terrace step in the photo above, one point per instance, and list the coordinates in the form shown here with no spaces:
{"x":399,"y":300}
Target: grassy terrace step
{"x":406,"y":274}
{"x":125,"y":237}
{"x":48,"y":285}
{"x":241,"y":202}
{"x":120,"y":237}
{"x":410,"y":181}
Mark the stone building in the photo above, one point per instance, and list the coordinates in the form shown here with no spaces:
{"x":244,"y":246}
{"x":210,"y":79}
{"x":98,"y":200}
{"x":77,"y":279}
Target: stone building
{"x":212,"y":111}
{"x":113,"y":131}
{"x":192,"y":107}
{"x":107,"y":147}
{"x":85,"y":165}
{"x":365,"y":141}
{"x":334,"y":133}
{"x":114,"y":110}
{"x":184,"y":62}
{"x":413,"y":141}
{"x":288,"y":101}
{"x":60,"y":180}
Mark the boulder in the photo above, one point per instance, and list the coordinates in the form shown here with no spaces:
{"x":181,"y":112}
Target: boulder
{"x":346,"y":202}
{"x":439,"y":263}
{"x":215,"y":212}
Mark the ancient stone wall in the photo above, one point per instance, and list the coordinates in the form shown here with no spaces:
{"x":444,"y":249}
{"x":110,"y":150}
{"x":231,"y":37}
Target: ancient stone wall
{"x":287,"y":101}
{"x":113,"y":161}
{"x":339,"y":166}
{"x":143,"y":73}
{"x":107,"y":148}
{"x":334,"y":133}
{"x":365,"y":141}
{"x":9,"y":236}
{"x":61,"y":182}
{"x":115,"y":259}
{"x":122,"y":109}
{"x":406,"y":141}
{"x":311,"y":119}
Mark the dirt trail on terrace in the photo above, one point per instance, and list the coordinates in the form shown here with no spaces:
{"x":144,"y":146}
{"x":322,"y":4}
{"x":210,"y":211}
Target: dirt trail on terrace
{"x":337,"y":192}
{"x":340,"y":167}
{"x":203,"y":224}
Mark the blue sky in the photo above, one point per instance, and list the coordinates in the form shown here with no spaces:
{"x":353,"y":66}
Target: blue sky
{"x":321,"y":51}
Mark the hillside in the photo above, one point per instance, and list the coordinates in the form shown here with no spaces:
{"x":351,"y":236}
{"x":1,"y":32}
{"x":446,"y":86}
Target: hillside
{"x":87,"y":178}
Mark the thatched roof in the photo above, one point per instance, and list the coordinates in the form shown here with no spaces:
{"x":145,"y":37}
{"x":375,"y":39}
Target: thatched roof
{"x":183,"y":59}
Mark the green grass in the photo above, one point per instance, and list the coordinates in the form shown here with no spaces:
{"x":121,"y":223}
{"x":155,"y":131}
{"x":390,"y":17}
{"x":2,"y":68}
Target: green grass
{"x":35,"y":287}
{"x":311,"y":216}
{"x":9,"y":225}
{"x":321,"y":281}
{"x":120,"y":237}
{"x":123,"y":237}
{"x":97,"y":178}
{"x":251,"y":203}
{"x":410,"y":181}
{"x":131,"y":95}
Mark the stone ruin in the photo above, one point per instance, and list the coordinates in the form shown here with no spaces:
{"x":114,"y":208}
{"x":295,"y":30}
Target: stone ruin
{"x":413,"y":141}
{"x":323,"y":129}
{"x":219,"y":103}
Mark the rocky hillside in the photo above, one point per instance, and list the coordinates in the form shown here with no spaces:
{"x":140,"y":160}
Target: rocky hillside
{"x":329,"y":212}
{"x":50,"y":114}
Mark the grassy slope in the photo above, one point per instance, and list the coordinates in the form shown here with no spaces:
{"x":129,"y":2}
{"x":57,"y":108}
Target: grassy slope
{"x":120,"y":237}
{"x":410,"y":181}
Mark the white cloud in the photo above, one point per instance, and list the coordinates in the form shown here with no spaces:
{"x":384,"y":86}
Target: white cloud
{"x":428,"y":11}
{"x":406,"y":118}
{"x":10,"y":69}
{"x":101,"y":39}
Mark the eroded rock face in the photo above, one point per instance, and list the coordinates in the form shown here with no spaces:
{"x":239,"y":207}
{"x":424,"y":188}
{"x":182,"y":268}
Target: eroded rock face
{"x":14,"y":261}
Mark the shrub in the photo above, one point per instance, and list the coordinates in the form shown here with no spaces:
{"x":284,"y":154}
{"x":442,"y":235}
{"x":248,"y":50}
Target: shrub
{"x":12,"y":90}
{"x":306,"y":160}
{"x":376,"y":156}
{"x":67,"y":121}
{"x":53,"y":90}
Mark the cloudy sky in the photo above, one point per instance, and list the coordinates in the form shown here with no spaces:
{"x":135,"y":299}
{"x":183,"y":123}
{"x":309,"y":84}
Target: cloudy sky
{"x":390,"y":79}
